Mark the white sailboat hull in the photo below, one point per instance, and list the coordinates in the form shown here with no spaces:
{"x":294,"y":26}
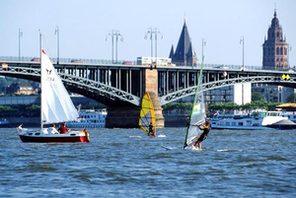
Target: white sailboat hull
{"x":41,"y":137}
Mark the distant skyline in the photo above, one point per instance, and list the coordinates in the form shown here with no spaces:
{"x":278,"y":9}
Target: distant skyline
{"x":85,"y":24}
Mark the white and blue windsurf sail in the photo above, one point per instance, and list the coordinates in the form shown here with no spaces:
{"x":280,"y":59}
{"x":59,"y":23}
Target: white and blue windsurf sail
{"x":198,"y":113}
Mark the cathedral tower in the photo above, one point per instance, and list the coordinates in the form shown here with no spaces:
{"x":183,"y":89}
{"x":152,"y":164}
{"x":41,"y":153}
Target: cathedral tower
{"x":275,"y":47}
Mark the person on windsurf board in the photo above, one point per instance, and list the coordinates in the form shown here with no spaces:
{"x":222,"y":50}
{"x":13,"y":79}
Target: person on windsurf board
{"x":206,"y":129}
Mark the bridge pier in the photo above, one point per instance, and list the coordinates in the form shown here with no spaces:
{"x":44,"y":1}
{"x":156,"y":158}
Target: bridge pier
{"x":151,"y":86}
{"x":128,"y":116}
{"x":157,"y":109}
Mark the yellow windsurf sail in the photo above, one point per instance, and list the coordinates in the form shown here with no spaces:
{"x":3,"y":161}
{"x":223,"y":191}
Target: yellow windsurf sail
{"x":147,"y":116}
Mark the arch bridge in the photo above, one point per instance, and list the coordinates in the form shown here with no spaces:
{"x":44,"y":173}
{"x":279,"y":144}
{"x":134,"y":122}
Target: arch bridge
{"x":121,"y":86}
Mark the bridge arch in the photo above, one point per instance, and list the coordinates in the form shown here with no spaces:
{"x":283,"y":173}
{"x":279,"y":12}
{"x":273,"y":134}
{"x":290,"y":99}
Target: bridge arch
{"x":112,"y":96}
{"x":92,"y":89}
{"x":182,"y":93}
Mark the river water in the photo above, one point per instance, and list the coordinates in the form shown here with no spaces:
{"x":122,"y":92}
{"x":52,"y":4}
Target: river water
{"x":126,"y":163}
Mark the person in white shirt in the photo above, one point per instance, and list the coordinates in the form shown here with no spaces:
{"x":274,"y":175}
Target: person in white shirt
{"x":52,"y":130}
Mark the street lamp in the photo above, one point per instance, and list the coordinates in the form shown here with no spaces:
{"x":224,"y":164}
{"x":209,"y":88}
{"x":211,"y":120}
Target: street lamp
{"x":115,"y":37}
{"x":242,"y":42}
{"x":40,"y":42}
{"x":203,"y":44}
{"x":57,"y":33}
{"x":150,"y":34}
{"x":19,"y":38}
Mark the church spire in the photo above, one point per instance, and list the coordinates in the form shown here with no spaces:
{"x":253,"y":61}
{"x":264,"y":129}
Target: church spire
{"x":184,"y":54}
{"x":172,"y":52}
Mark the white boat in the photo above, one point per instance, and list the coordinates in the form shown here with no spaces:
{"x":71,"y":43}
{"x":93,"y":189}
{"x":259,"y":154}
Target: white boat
{"x":256,"y":120}
{"x":291,"y":115}
{"x":90,"y":118}
{"x":56,"y":107}
{"x":288,"y":110}
{"x":3,"y":122}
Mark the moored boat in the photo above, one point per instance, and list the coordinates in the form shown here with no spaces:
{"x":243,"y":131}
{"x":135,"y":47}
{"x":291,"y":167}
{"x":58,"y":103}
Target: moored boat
{"x":89,"y":118}
{"x":4,"y":122}
{"x":257,"y":120}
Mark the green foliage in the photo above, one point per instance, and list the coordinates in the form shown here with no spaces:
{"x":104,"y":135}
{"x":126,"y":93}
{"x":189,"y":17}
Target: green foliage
{"x":256,"y":96}
{"x":32,"y":108}
{"x":5,"y":108}
{"x":19,"y":110}
{"x":228,"y":106}
{"x":177,"y":105}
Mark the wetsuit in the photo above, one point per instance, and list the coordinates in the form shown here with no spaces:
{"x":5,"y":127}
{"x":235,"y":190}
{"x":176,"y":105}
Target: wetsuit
{"x":204,"y":134}
{"x":151,"y":132}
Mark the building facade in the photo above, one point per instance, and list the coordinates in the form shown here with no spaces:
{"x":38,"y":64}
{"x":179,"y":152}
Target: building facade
{"x":275,"y":47}
{"x":275,"y":57}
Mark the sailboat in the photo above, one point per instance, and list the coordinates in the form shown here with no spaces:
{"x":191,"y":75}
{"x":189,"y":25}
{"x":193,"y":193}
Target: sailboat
{"x":198,"y":115}
{"x":56,"y":107}
{"x":147,"y":116}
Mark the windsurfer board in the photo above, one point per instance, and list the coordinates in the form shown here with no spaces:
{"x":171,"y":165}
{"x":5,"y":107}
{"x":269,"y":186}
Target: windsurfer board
{"x":167,"y":147}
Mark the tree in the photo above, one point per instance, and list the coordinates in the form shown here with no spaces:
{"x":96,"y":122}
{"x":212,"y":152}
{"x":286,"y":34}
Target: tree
{"x":256,"y":96}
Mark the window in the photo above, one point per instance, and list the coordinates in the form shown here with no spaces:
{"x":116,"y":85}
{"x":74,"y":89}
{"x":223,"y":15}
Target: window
{"x":281,"y":51}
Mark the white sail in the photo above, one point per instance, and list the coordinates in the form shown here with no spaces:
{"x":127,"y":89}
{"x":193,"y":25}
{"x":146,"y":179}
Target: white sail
{"x":56,"y":105}
{"x":198,"y":113}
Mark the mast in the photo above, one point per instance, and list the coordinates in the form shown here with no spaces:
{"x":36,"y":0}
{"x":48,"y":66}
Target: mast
{"x":196,"y":115}
{"x":41,"y":115}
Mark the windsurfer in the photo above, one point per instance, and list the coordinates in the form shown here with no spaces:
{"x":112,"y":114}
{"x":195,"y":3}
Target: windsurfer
{"x":206,"y":129}
{"x":151,"y":131}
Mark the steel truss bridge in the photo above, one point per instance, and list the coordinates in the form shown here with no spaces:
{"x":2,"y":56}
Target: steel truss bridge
{"x":118,"y":84}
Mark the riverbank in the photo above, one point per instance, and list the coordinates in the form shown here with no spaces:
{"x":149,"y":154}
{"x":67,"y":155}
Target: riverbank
{"x":26,"y":121}
{"x":173,"y":118}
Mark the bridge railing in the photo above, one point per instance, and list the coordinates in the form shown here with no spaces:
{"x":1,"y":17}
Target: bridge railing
{"x":80,"y":61}
{"x":68,"y":60}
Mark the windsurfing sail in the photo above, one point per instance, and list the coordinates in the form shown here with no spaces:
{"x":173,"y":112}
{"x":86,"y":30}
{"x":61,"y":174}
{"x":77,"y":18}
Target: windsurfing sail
{"x":147,"y":115}
{"x":198,"y":114}
{"x":56,"y":103}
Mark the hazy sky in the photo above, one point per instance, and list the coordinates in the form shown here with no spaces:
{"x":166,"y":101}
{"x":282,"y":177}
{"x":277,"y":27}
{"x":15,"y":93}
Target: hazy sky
{"x":85,"y":24}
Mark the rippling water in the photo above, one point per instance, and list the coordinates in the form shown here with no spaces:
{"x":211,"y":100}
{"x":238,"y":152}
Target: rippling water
{"x":126,"y":163}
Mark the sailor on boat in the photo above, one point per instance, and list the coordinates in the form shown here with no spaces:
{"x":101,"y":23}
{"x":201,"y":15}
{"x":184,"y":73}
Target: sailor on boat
{"x":63,"y":129}
{"x":52,"y":129}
